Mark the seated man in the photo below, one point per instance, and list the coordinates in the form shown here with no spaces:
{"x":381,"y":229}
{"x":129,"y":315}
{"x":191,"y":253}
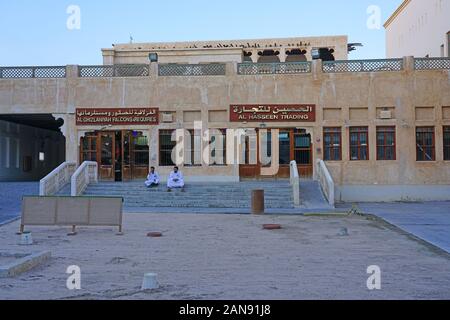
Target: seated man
{"x":175,"y":180}
{"x":152,"y":179}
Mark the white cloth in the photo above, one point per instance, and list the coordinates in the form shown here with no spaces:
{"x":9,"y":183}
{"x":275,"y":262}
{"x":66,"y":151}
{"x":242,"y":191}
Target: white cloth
{"x":152,"y":179}
{"x":176,"y":180}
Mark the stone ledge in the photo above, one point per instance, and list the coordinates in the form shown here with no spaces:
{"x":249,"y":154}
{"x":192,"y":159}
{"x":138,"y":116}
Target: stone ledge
{"x":23,"y":264}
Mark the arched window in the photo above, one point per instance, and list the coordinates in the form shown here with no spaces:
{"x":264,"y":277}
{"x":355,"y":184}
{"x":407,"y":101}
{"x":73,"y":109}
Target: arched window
{"x":268,"y":56}
{"x":296,"y":55}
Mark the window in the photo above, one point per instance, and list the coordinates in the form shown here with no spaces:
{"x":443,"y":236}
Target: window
{"x":302,"y":147}
{"x":89,"y":147}
{"x":425,"y":145}
{"x":166,"y":145}
{"x":140,"y":150}
{"x":193,"y":155}
{"x":332,"y":144}
{"x":447,"y":143}
{"x":359,"y":143}
{"x":219,"y":153}
{"x":386,"y":143}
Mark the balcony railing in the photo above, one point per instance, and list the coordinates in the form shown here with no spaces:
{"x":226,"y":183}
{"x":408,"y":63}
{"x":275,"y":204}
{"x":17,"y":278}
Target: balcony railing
{"x":32,"y":72}
{"x":187,"y":70}
{"x":274,"y":68}
{"x":118,"y":70}
{"x":363,"y":65}
{"x":432,"y":63}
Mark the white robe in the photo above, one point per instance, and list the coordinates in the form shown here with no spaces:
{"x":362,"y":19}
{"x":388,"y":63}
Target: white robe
{"x":171,"y":183}
{"x":152,"y":179}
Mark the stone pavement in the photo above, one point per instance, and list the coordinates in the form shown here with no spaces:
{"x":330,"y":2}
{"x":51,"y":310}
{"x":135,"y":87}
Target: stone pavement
{"x":11,"y":198}
{"x":429,"y":221}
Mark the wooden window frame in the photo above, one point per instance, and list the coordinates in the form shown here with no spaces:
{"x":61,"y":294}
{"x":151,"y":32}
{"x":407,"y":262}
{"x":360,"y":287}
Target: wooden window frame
{"x":360,"y":130}
{"x":333,"y":132}
{"x":385,"y":130}
{"x":419,"y":146}
{"x":162,"y":132}
{"x":446,"y":130}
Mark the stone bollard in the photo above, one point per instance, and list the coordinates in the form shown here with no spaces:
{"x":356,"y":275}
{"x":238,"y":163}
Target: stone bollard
{"x":150,"y":281}
{"x":26,"y":239}
{"x":258,"y":205}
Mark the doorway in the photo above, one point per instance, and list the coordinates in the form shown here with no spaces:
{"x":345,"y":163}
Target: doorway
{"x":121,"y":155}
{"x":294,"y":144}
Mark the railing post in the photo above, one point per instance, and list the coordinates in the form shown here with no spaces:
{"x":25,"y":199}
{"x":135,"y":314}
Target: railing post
{"x":409,"y":64}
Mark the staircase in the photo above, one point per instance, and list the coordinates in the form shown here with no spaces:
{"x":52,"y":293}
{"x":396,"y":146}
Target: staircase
{"x":278,"y":195}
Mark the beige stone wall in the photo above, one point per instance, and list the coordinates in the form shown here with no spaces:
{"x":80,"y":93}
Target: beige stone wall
{"x":416,"y":98}
{"x":221,"y":50}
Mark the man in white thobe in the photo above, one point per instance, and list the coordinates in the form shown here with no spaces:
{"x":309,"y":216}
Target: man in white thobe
{"x":175,"y":180}
{"x":152,"y":178}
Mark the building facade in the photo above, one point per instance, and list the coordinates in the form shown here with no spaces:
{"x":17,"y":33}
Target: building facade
{"x":419,"y":28}
{"x":381,"y":126}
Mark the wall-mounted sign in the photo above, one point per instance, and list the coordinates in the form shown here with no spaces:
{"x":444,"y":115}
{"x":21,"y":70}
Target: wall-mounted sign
{"x":273,"y":113}
{"x":117,"y":116}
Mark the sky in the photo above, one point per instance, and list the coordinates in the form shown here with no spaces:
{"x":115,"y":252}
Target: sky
{"x":36,"y":32}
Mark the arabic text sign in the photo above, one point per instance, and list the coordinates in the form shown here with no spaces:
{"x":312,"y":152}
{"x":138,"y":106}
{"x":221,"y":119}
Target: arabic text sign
{"x":115,"y":116}
{"x":273,"y":113}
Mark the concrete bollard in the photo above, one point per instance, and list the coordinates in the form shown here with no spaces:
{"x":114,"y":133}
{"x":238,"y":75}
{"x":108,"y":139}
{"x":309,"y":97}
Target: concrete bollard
{"x":150,"y":281}
{"x":26,"y":239}
{"x":258,"y":205}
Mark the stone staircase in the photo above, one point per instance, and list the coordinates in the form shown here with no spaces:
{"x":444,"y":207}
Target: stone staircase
{"x":196,"y":195}
{"x":212,"y":197}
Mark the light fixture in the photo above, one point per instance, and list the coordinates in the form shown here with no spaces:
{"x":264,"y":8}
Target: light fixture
{"x":41,"y":156}
{"x":153,"y":57}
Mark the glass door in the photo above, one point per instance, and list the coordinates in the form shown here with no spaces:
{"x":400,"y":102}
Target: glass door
{"x":106,"y":168}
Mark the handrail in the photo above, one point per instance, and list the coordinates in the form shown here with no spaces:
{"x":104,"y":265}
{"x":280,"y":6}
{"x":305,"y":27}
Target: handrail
{"x":57,"y":179}
{"x":326,"y":181}
{"x":86,"y":174}
{"x":295,"y":182}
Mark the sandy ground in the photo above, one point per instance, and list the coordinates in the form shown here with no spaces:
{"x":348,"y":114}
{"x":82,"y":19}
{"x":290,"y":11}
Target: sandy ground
{"x":231,"y":257}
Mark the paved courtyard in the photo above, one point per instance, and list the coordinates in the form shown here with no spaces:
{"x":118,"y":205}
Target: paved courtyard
{"x":429,"y":221}
{"x":11,"y":194}
{"x":231,"y":257}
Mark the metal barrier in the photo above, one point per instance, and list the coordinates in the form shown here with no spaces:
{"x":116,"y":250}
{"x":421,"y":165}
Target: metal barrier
{"x":118,"y":70}
{"x":274,"y":68}
{"x":32,"y":72}
{"x":432,"y":63}
{"x":362,"y":65}
{"x":57,"y":179}
{"x":295,"y":182}
{"x":86,"y":174}
{"x":326,"y":181}
{"x":176,"y":70}
{"x":72,"y":211}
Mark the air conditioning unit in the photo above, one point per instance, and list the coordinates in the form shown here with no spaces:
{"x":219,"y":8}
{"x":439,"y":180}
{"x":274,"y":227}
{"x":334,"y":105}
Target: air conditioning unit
{"x":385,"y":114}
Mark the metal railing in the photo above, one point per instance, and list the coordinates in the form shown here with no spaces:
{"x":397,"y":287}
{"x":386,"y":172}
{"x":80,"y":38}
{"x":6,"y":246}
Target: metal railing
{"x":362,"y":65}
{"x":176,"y":70}
{"x":118,"y":70}
{"x":274,"y":68}
{"x":57,"y":179}
{"x":326,"y":181}
{"x":32,"y":72}
{"x":295,"y":182}
{"x":86,"y":174}
{"x":432,"y":63}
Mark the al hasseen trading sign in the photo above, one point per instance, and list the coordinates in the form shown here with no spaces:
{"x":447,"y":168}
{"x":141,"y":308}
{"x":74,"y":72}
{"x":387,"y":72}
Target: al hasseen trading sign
{"x":273,"y":113}
{"x":117,"y":116}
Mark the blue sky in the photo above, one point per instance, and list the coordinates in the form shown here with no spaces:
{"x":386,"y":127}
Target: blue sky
{"x":35,"y":32}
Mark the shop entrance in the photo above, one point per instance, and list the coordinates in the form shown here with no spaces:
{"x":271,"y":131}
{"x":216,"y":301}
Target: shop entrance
{"x":121,"y":155}
{"x":294,"y":144}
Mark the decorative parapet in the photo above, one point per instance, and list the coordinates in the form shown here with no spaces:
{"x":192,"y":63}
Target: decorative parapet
{"x":432,"y":63}
{"x":118,"y":70}
{"x":188,"y":70}
{"x":32,"y":72}
{"x":274,"y":68}
{"x":363,"y":65}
